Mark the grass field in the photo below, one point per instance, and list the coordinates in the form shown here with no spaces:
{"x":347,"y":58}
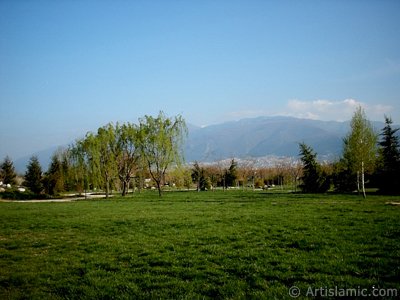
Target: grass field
{"x":192,"y":245}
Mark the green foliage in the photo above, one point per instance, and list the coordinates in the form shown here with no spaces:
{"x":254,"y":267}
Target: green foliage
{"x":231,"y":174}
{"x":17,"y":195}
{"x":126,"y":153}
{"x":114,"y":155}
{"x":232,"y":245}
{"x":343,"y":178}
{"x":388,"y":173}
{"x":359,"y":148}
{"x":7,"y":171}
{"x":181,"y":177}
{"x":33,"y":176}
{"x":104,"y":144}
{"x":314,"y":179}
{"x":200,"y":177}
{"x":160,"y":140}
{"x":79,"y":174}
{"x":99,"y":159}
{"x":360,"y":143}
{"x":67,"y":170}
{"x":54,"y":178}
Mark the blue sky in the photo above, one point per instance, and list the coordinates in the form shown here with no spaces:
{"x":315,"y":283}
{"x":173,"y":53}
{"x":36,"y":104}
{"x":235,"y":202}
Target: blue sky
{"x":67,"y":67}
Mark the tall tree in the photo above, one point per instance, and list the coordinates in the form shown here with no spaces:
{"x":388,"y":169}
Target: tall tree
{"x":389,"y":160}
{"x":7,"y":171}
{"x":314,"y":180}
{"x":33,"y":176}
{"x":126,"y":153}
{"x":200,"y":177}
{"x":54,"y":177}
{"x":160,"y":141}
{"x":66,"y":167}
{"x":105,"y":144}
{"x":231,"y":174}
{"x":360,"y":147}
{"x":79,"y":169}
{"x":196,"y":175}
{"x":94,"y":159}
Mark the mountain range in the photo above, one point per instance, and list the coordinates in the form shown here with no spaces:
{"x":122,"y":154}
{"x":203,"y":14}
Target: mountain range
{"x":262,"y":136}
{"x":252,"y":137}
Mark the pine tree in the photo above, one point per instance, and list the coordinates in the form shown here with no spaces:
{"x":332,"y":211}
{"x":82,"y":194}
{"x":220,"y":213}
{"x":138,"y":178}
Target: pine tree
{"x":8,"y":174}
{"x":231,"y":174}
{"x":389,"y":154}
{"x":200,"y":177}
{"x":314,"y":180}
{"x":196,"y":175}
{"x":33,"y":176}
{"x":344,"y":179}
{"x":54,"y":179}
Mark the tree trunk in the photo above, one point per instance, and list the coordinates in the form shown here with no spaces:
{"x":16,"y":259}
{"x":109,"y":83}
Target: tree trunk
{"x":125,"y":184}
{"x":159,"y":191}
{"x":124,"y":188}
{"x":362,"y":180}
{"x":159,"y":187}
{"x":107,"y":188}
{"x":224,"y":188}
{"x":358,"y":182}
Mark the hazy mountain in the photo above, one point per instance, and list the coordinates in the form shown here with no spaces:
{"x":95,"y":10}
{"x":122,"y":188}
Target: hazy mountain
{"x":263,"y":136}
{"x":44,"y":157}
{"x":253,"y":137}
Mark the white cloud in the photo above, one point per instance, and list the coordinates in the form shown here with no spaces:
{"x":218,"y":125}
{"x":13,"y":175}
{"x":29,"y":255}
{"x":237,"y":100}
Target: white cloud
{"x":321,"y":109}
{"x":334,"y":110}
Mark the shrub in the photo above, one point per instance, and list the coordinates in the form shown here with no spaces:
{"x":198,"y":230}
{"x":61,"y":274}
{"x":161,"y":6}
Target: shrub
{"x":17,"y":195}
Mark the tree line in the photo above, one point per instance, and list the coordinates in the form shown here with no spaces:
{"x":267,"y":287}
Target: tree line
{"x":124,"y":156}
{"x":110,"y":158}
{"x":367,"y":158}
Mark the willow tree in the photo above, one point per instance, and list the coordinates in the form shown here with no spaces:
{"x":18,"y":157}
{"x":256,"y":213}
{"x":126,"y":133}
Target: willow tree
{"x":104,"y":144}
{"x":160,"y":140}
{"x":95,"y":159}
{"x":126,"y":153}
{"x":79,"y":170}
{"x":360,"y":148}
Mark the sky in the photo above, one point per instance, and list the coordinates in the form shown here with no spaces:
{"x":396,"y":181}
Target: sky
{"x":68,"y":67}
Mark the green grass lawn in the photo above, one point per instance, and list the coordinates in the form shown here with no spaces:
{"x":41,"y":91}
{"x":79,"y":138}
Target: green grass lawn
{"x":198,"y":245}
